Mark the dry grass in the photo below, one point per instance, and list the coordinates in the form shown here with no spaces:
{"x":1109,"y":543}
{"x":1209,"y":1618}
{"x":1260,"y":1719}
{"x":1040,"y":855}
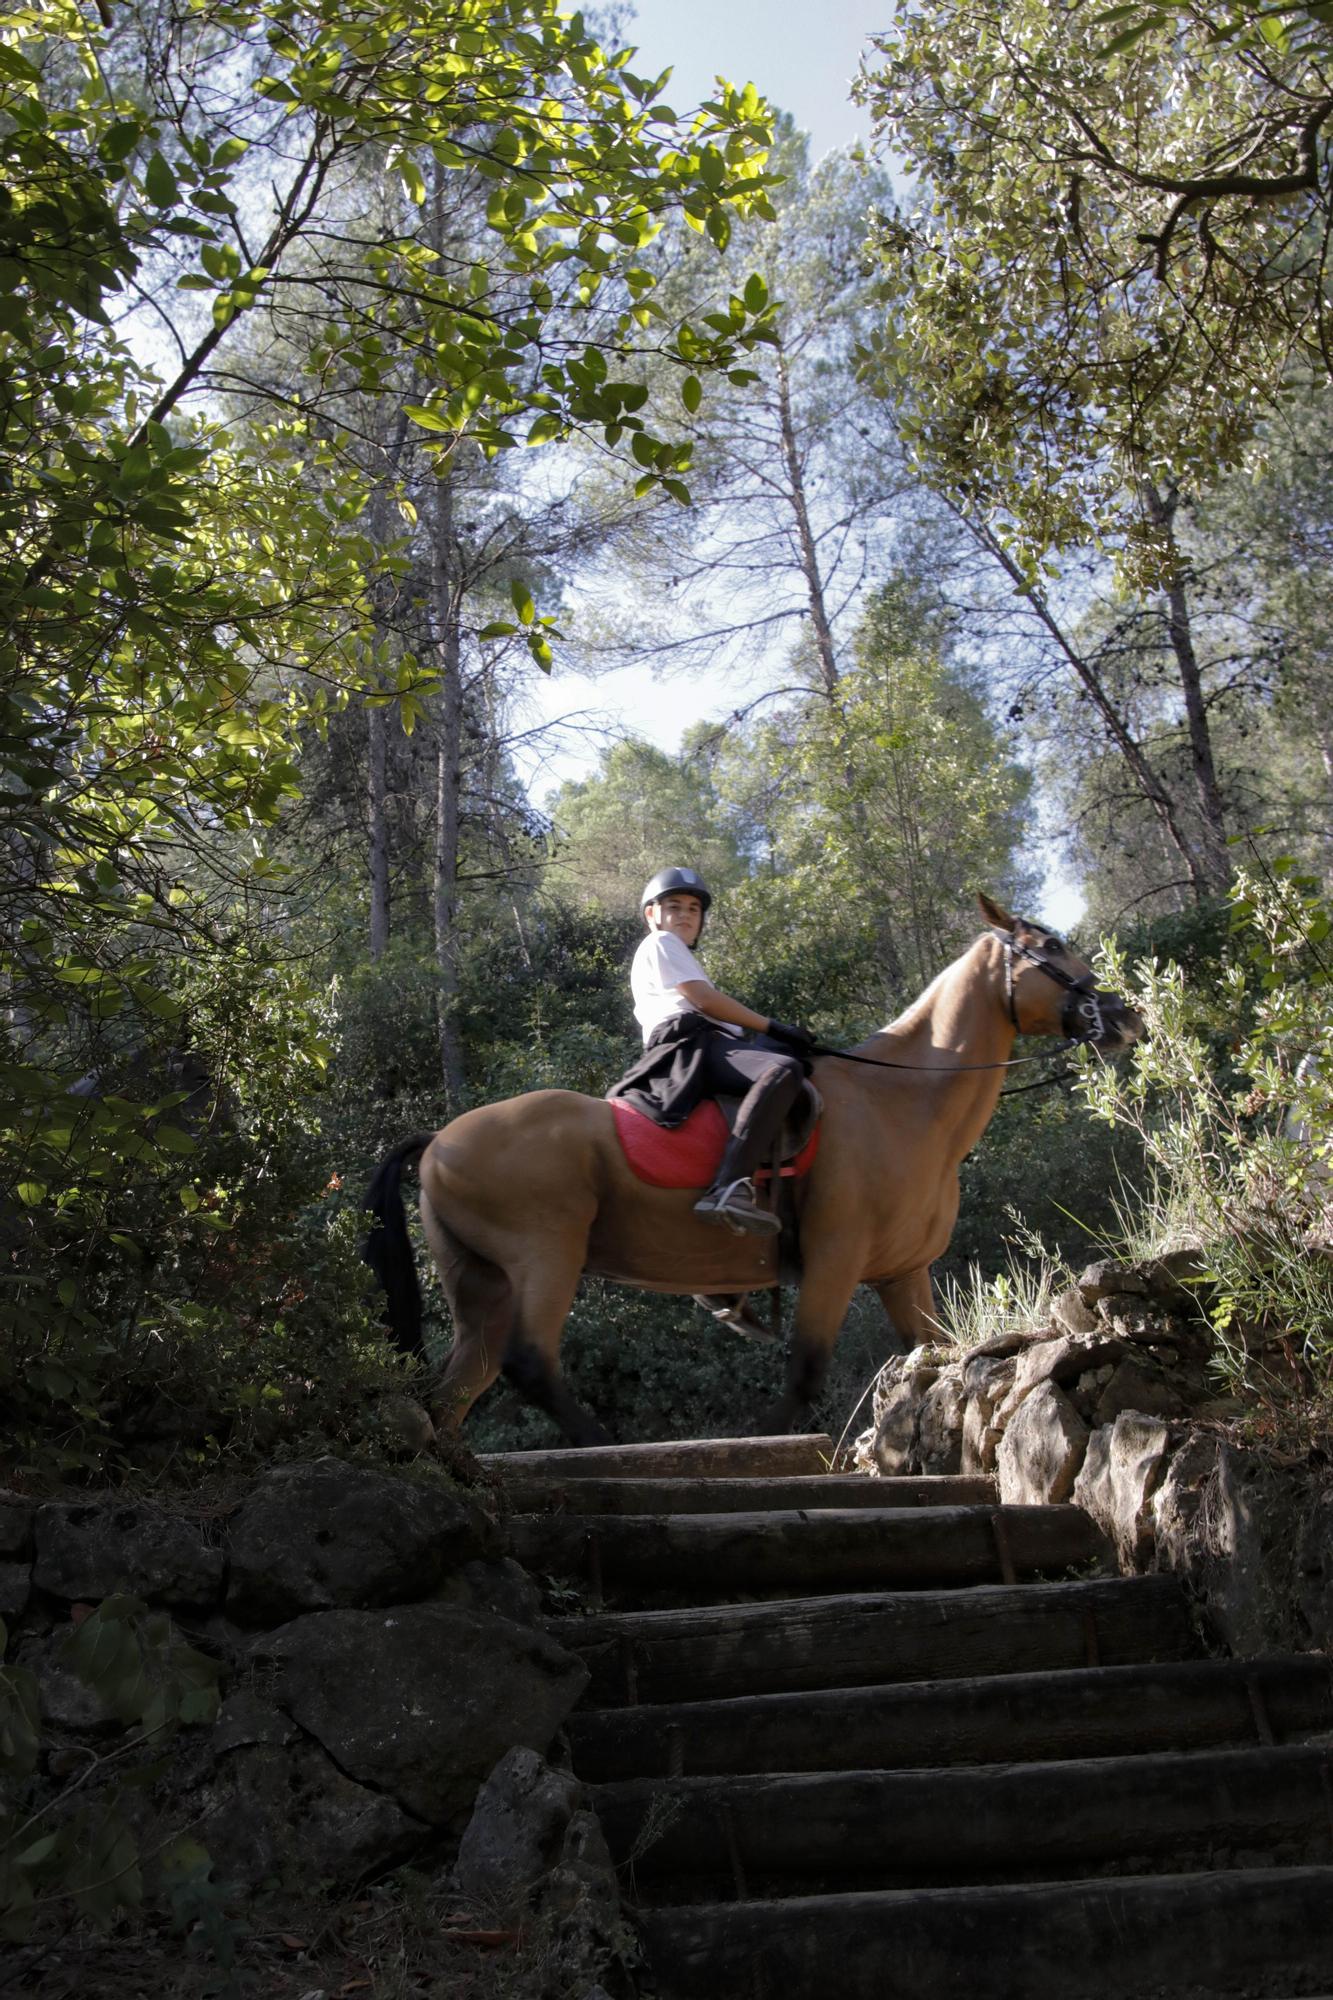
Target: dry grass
{"x":407,"y":1938}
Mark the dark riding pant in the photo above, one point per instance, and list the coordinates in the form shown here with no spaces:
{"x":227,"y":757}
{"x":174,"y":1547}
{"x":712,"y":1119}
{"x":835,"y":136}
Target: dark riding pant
{"x":767,"y":1078}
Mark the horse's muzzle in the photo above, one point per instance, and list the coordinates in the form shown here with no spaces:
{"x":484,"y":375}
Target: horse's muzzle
{"x":1103,"y":1021}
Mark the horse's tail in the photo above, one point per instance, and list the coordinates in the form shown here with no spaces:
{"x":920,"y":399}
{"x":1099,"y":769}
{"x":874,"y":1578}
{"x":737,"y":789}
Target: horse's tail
{"x":388,"y":1247}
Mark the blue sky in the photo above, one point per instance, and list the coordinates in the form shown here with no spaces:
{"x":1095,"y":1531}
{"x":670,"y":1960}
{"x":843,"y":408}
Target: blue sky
{"x":803,"y":59}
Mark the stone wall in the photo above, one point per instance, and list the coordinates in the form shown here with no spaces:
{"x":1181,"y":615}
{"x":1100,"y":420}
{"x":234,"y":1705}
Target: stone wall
{"x":1111,"y":1406}
{"x":388,"y":1690}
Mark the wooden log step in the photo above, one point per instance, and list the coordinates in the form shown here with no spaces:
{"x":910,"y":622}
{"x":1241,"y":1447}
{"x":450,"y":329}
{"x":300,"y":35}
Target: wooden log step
{"x":823,"y":1549}
{"x":1171,"y":1811}
{"x":1095,"y":1712}
{"x":863,"y":1638}
{"x":1181,"y":1937}
{"x":680,"y":1458}
{"x":541,"y":1493}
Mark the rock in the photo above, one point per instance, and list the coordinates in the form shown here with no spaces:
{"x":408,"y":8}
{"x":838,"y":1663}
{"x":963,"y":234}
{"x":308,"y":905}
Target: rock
{"x":916,"y":1371}
{"x":895,"y":1430}
{"x":15,"y":1589}
{"x":1109,"y":1279}
{"x":939,"y":1437}
{"x":286,"y":1814}
{"x":16,"y":1519}
{"x":1314,"y":1571}
{"x":987,"y":1379}
{"x":1061,"y":1361}
{"x":86,"y":1553}
{"x":1176,"y":1275}
{"x":1042,"y":1449}
{"x":245,"y":1719}
{"x":578,"y":1902}
{"x":421,"y":1700}
{"x":1133,"y":1387}
{"x":1121,"y":1470}
{"x":1001,"y":1344}
{"x":1171,"y":1278}
{"x":899,"y":1389}
{"x":326,"y":1535}
{"x":1071,"y":1314}
{"x":67,"y":1702}
{"x":1238,"y":1530}
{"x":503,"y":1587}
{"x":981,"y":1441}
{"x":516,"y":1832}
{"x":1176,"y":1528}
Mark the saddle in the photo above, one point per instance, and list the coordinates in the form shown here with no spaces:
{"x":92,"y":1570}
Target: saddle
{"x":688,"y":1155}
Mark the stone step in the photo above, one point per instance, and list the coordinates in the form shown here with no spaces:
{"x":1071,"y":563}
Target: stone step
{"x":681,"y":1458}
{"x":1092,"y":1712}
{"x":545,"y":1493}
{"x":858,"y":1639}
{"x":778,"y":1834}
{"x":649,"y":1555}
{"x":1231,"y":1935}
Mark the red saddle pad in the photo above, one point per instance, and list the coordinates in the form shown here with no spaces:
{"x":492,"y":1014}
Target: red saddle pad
{"x":687,"y":1156}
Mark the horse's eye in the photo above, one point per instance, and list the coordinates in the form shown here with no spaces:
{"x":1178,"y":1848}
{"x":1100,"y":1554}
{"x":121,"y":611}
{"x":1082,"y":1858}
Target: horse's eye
{"x":1053,"y":944}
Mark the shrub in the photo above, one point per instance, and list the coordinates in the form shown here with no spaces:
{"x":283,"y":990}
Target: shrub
{"x":1238,"y":1149}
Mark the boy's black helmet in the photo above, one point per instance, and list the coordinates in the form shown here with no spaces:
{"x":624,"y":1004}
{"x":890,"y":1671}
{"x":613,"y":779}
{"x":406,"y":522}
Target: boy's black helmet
{"x":678,"y":881}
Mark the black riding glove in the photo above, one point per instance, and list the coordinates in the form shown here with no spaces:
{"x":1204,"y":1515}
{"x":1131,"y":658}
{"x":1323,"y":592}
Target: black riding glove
{"x":799,"y":1039}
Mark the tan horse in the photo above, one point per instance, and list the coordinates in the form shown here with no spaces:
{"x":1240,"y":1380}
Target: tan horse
{"x":519,"y":1199}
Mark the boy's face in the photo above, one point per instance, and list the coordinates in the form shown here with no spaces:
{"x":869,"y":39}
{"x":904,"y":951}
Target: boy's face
{"x":679,"y":913}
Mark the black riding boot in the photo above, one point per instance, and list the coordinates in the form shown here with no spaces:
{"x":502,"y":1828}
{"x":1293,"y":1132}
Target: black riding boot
{"x":732,"y":1198}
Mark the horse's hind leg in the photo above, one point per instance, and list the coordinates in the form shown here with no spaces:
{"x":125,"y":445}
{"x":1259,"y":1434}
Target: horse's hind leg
{"x":481,"y":1302}
{"x":532,"y":1363}
{"x":909,"y":1302}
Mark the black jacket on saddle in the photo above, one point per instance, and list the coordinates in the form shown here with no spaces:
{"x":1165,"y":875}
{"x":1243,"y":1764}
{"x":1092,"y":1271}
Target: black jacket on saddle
{"x":669,"y":1078}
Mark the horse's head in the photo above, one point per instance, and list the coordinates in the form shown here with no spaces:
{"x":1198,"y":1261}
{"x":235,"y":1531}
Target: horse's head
{"x":1051,"y":991}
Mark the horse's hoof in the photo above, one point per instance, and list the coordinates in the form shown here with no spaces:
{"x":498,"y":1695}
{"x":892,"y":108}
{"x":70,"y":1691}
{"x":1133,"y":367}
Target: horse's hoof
{"x":406,"y":1423}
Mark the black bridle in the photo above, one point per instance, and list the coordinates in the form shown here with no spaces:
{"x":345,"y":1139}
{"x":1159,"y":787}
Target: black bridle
{"x":1082,"y":1019}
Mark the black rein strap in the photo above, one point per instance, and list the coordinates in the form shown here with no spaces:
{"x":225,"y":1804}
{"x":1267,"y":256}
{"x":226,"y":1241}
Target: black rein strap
{"x":1083,"y":987}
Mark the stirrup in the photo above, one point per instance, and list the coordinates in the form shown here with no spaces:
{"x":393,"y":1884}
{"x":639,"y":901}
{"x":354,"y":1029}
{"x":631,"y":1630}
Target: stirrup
{"x":737,"y":1205}
{"x":734,"y":1314}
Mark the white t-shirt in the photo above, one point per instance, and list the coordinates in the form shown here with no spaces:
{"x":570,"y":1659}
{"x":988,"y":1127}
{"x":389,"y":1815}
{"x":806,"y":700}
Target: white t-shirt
{"x":662,"y":965}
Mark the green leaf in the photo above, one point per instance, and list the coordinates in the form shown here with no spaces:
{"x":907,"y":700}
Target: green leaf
{"x":119,"y":140}
{"x":172,"y":1140}
{"x":429,"y":420}
{"x":523,"y":603}
{"x":160,"y":182}
{"x":691,"y":393}
{"x":497,"y":629}
{"x":755,"y":293}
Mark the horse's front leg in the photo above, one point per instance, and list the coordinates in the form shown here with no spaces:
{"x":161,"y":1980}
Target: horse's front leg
{"x":821,"y":1307}
{"x":909,"y":1302}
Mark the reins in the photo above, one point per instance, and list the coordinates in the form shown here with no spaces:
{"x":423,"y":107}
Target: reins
{"x":940,"y":1069}
{"x":1082,"y":988}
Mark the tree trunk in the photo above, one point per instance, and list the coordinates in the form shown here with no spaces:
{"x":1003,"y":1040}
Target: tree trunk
{"x":1212,"y":816}
{"x":444,"y":615}
{"x":377,"y":719}
{"x":377,"y":734}
{"x":814,"y":583}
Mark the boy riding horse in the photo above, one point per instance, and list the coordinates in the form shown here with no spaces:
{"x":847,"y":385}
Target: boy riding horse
{"x":699,"y":1042}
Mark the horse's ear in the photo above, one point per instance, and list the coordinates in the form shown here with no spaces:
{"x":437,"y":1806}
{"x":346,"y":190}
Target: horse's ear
{"x":994,"y":913}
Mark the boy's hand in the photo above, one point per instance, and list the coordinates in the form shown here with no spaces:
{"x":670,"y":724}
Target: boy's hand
{"x":796,"y":1038}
